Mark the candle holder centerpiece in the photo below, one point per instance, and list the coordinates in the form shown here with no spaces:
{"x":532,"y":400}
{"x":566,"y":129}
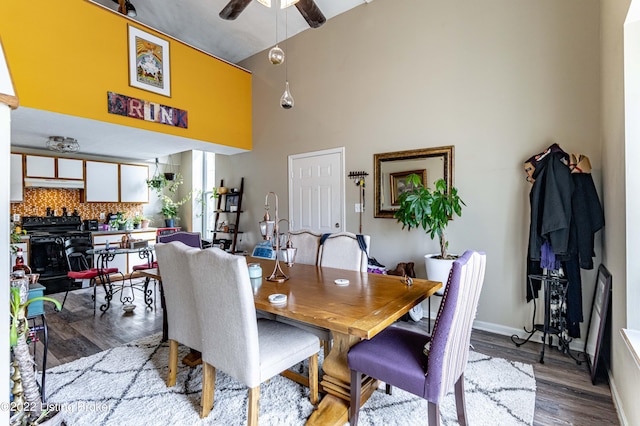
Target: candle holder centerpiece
{"x":270,"y":231}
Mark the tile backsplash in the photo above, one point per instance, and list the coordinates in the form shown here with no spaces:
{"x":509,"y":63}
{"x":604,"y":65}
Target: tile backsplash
{"x":36,"y":201}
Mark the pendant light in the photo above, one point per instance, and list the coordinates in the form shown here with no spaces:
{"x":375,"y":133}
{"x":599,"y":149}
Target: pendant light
{"x":286,"y":101}
{"x":276,"y":55}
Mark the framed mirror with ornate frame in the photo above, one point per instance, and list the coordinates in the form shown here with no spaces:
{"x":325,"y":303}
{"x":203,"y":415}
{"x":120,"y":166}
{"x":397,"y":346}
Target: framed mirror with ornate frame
{"x":392,"y":168}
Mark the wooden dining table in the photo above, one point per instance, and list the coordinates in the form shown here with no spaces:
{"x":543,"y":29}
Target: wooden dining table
{"x":359,"y":310}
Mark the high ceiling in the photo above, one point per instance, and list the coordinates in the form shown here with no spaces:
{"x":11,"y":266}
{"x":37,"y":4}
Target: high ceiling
{"x":195,"y":22}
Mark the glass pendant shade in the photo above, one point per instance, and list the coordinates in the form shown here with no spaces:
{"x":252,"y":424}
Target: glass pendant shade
{"x":267,"y":227}
{"x":289,"y":254}
{"x":276,"y":55}
{"x":286,"y":101}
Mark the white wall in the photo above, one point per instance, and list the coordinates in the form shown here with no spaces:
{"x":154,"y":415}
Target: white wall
{"x":625,"y":373}
{"x":501,"y":80}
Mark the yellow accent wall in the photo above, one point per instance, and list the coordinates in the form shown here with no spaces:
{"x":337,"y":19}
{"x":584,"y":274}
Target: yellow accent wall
{"x":65,"y":56}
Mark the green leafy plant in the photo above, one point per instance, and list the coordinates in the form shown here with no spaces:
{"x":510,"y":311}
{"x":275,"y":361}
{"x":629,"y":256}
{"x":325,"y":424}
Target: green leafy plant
{"x":170,"y":207}
{"x":157,"y":183}
{"x":16,"y":237}
{"x":137,"y":219}
{"x":429,"y":210}
{"x":19,"y":330}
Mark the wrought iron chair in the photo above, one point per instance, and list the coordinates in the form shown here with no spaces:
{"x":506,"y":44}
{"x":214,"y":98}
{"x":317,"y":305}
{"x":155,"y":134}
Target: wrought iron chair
{"x":78,"y":261}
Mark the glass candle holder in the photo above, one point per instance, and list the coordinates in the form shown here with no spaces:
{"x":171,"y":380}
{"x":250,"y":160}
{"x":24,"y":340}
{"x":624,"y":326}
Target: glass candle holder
{"x":255,"y":270}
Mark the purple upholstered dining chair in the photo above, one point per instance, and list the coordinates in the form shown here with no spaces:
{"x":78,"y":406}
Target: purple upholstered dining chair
{"x":426,"y":366}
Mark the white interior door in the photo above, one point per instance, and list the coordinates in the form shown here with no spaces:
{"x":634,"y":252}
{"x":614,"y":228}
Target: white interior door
{"x":316,"y":191}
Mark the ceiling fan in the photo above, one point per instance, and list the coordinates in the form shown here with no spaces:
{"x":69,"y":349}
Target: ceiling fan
{"x":307,"y":8}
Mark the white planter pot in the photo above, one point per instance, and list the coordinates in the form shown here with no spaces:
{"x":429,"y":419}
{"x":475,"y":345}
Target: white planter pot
{"x":438,"y":269}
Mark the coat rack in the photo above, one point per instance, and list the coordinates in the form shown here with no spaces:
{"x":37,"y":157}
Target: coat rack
{"x":358,"y":178}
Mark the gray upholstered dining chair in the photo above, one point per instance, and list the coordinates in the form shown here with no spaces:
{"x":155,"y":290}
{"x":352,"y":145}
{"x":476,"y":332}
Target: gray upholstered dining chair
{"x":183,"y":325}
{"x":307,"y":244}
{"x":426,"y":366}
{"x":233,"y":340}
{"x":342,"y":250}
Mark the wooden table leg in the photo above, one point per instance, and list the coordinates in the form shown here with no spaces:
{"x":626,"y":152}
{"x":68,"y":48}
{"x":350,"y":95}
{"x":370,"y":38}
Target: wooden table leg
{"x":334,"y":407}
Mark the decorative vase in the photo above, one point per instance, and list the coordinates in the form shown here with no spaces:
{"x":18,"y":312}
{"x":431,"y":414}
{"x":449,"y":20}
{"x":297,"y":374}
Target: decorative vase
{"x":144,"y":224}
{"x":169,"y":223}
{"x":122,"y":226}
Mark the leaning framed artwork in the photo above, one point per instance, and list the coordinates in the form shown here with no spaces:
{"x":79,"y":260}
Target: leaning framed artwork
{"x":598,"y":321}
{"x":149,"y":62}
{"x":400,"y":185}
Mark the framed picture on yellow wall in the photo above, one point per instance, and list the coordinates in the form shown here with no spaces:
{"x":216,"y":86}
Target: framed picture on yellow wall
{"x":149,"y":62}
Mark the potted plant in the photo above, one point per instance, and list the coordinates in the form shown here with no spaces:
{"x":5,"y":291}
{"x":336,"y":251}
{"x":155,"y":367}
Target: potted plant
{"x":121,"y":222}
{"x":19,"y":330}
{"x":157,"y":183}
{"x":140,"y":221}
{"x":431,"y":211}
{"x":170,"y":209}
{"x":136,"y":221}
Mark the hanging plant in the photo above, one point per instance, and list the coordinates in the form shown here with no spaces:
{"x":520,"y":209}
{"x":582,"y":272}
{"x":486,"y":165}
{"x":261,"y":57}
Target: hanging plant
{"x":157,"y":183}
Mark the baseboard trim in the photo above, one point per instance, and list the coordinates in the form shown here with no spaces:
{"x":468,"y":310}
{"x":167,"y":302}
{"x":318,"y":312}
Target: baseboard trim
{"x":575,"y":345}
{"x":616,"y":400}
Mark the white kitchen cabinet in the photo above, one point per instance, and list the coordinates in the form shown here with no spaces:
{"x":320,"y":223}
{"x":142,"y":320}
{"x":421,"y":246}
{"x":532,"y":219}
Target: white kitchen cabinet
{"x":101,"y":184}
{"x":70,"y":168}
{"x":133,"y":183}
{"x":40,"y":167}
{"x":16,"y":192}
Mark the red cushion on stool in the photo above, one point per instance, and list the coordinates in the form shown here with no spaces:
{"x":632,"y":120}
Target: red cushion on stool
{"x":83,"y":275}
{"x":106,"y":270}
{"x":145,"y":266}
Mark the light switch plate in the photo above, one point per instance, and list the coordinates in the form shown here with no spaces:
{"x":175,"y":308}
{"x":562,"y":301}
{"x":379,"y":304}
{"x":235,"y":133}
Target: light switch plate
{"x":102,"y":216}
{"x":16,"y":217}
{"x":358,"y":207}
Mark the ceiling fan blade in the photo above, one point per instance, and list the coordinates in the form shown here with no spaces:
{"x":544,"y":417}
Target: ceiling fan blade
{"x":233,"y":9}
{"x":311,"y":13}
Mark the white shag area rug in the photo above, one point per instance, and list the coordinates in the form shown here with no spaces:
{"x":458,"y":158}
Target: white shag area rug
{"x":126,"y":386}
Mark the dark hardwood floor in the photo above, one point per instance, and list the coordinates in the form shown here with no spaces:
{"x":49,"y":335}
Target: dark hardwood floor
{"x":565,"y":395}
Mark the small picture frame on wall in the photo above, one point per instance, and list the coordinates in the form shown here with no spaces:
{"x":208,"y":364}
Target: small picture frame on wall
{"x":231,"y":203}
{"x":400,"y":185}
{"x":149,"y":62}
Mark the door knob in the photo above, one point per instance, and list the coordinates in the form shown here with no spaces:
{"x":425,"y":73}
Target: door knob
{"x":337,"y":225}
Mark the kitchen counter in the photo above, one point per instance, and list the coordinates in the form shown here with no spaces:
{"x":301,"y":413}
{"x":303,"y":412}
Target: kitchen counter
{"x":122,"y":231}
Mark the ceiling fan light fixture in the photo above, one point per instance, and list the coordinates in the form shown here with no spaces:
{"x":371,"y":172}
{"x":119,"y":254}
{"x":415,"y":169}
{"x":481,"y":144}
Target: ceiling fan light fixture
{"x":286,"y":3}
{"x":283,"y":3}
{"x":62,"y":144}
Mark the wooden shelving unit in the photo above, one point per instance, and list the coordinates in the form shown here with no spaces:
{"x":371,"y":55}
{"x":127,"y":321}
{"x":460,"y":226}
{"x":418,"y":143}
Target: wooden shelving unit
{"x":224,"y":216}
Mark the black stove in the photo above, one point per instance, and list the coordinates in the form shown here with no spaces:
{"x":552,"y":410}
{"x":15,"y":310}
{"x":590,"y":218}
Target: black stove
{"x":51,"y":223}
{"x":47,"y":237}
